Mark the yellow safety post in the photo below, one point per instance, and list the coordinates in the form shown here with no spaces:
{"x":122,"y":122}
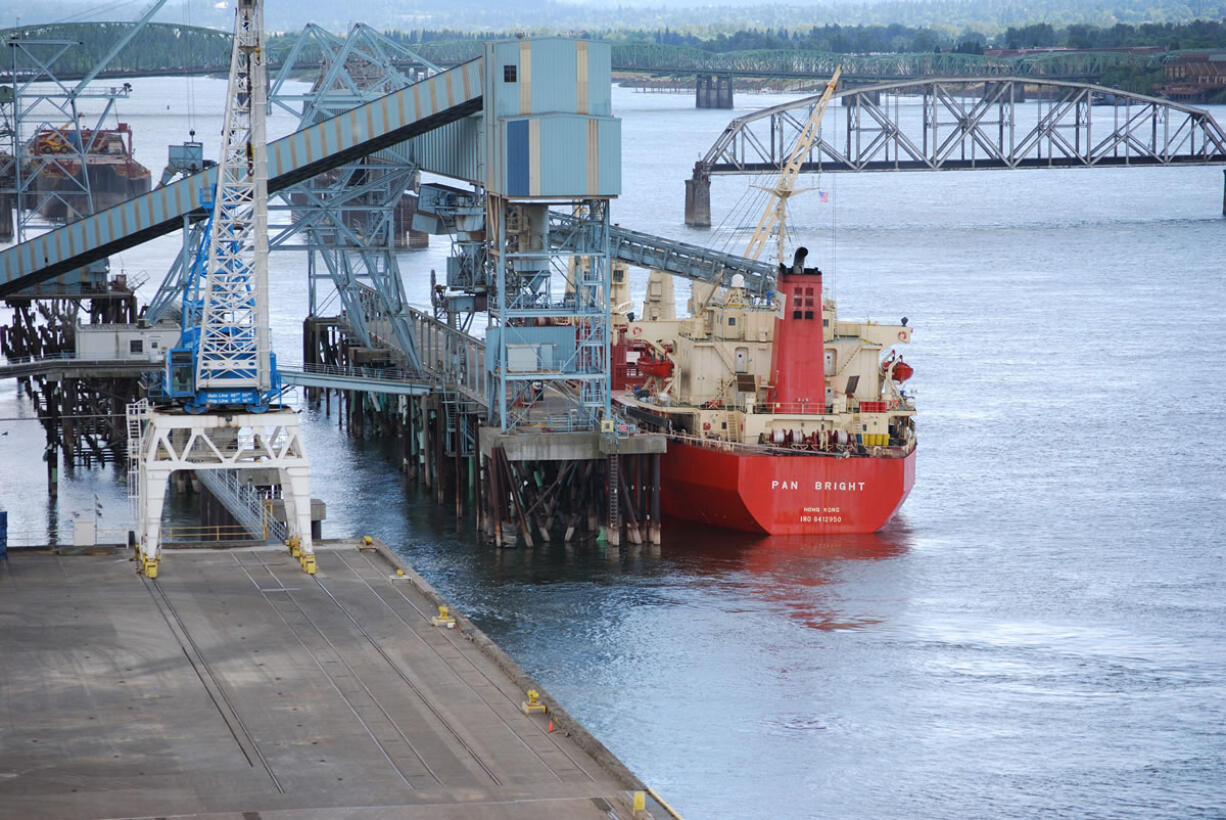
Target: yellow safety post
{"x":640,"y":802}
{"x":148,"y":567}
{"x":295,"y":546}
{"x":443,"y":618}
{"x":533,"y":703}
{"x":308,"y":563}
{"x":367,"y":543}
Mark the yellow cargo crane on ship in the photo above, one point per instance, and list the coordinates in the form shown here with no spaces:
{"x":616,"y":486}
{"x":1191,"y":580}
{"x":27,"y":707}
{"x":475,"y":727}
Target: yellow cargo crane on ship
{"x":775,"y":215}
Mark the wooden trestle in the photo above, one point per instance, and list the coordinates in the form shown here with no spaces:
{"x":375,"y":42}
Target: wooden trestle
{"x":81,"y":415}
{"x":526,"y":489}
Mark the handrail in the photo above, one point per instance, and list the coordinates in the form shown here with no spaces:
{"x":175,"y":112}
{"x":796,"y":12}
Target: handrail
{"x":835,"y":451}
{"x":354,"y":371}
{"x":68,"y":355}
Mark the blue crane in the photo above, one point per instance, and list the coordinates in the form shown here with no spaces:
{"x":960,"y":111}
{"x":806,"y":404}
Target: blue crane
{"x":224,"y":357}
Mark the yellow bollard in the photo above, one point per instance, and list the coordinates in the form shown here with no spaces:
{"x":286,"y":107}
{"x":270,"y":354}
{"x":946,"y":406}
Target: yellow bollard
{"x":308,"y":563}
{"x":443,"y":618}
{"x":533,"y":703}
{"x":640,"y":802}
{"x":367,"y":543}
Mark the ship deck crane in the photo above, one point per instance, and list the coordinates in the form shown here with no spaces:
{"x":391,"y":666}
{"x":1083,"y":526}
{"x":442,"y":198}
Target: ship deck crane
{"x":218,"y":403}
{"x":775,"y":215}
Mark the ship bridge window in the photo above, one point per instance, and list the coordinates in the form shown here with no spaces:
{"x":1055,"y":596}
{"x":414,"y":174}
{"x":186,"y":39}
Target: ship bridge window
{"x":136,"y":346}
{"x":731,"y":320}
{"x":808,"y":314}
{"x":509,"y":73}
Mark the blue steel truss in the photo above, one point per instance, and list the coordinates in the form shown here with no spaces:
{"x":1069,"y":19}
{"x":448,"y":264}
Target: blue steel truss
{"x":346,"y":219}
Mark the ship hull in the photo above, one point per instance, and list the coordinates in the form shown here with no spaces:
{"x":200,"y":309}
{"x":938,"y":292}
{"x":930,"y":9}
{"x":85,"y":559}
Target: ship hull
{"x":783,"y":494}
{"x":110,"y":185}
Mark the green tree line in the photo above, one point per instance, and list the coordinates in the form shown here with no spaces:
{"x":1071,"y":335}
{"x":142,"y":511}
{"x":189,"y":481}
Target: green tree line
{"x":157,"y":47}
{"x":163,"y":47}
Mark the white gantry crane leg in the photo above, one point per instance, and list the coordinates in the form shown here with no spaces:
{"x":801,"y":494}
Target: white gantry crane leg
{"x":223,"y":441}
{"x":229,"y":422}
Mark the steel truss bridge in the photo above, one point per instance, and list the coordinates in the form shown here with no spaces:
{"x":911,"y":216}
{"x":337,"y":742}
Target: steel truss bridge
{"x":965,"y":123}
{"x":933,"y":125}
{"x":687,"y":60}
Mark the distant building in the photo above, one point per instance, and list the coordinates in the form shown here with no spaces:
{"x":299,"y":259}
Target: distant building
{"x":1022,"y":52}
{"x":1194,"y":75}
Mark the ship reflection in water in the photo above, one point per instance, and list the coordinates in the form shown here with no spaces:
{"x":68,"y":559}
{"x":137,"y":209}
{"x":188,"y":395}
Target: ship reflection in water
{"x":733,"y":572}
{"x":794,"y":572}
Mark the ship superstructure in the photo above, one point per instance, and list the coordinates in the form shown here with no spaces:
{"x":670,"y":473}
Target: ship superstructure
{"x":799,"y":420}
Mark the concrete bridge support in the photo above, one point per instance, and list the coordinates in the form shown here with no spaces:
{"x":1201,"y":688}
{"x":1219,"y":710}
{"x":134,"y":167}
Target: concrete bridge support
{"x":713,"y":91}
{"x":1019,"y":90}
{"x":852,"y":100}
{"x":6,"y":218}
{"x":698,"y":200}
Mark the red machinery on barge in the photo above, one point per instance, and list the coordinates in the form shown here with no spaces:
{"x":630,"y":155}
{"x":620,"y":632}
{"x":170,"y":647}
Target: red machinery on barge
{"x":114,"y":176}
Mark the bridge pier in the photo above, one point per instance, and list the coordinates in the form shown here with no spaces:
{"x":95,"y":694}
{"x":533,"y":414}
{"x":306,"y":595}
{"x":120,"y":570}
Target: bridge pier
{"x":698,"y":200}
{"x":713,"y":91}
{"x":1019,"y":90}
{"x":852,"y":100}
{"x":6,"y":217}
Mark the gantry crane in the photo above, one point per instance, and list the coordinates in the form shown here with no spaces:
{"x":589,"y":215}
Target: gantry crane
{"x":218,"y":403}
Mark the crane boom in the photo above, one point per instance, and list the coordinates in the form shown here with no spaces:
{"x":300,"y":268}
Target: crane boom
{"x":230,"y":349}
{"x":773,"y":218}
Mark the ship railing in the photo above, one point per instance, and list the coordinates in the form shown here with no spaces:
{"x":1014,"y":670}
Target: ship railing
{"x":805,"y":408}
{"x":850,"y":450}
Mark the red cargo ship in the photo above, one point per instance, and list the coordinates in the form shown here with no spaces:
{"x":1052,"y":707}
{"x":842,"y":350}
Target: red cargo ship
{"x":782,"y":419}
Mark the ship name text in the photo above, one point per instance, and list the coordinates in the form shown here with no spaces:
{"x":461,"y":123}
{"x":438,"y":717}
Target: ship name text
{"x":839,"y":486}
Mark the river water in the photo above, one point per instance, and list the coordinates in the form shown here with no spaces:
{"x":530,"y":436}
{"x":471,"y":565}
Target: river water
{"x":1038,"y":633}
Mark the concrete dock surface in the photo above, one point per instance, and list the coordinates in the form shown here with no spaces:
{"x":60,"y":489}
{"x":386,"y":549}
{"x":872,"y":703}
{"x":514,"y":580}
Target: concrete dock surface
{"x":235,"y":685}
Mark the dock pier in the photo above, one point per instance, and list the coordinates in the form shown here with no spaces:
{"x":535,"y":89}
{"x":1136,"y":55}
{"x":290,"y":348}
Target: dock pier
{"x":237,"y":685}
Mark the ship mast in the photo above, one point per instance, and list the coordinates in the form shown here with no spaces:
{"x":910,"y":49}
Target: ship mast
{"x":775,"y":215}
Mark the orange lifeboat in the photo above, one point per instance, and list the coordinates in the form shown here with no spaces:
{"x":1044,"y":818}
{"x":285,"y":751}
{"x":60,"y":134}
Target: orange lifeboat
{"x":651,"y":366}
{"x":902,"y":370}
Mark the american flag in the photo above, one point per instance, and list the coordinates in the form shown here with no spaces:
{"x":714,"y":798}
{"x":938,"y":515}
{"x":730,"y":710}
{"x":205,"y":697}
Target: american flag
{"x":823,"y":196}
